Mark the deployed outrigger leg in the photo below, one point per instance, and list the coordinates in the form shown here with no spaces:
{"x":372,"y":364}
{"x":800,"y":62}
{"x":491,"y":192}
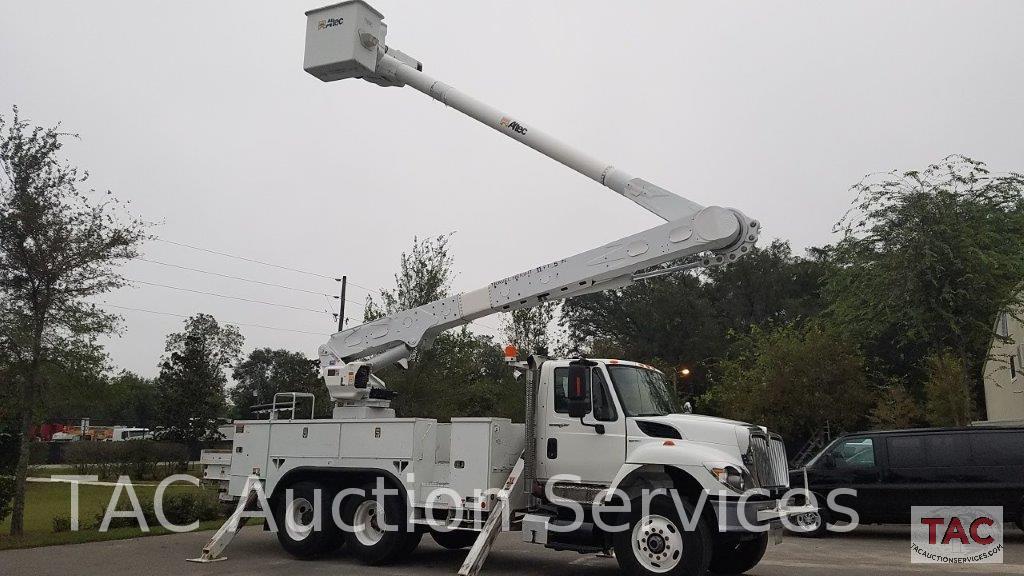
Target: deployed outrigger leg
{"x":252,"y":493}
{"x":478,"y":553}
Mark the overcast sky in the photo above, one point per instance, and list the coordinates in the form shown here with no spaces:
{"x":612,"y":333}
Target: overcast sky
{"x":199,"y":114}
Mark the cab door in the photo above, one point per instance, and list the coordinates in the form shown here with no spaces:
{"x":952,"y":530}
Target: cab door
{"x":593,"y":447}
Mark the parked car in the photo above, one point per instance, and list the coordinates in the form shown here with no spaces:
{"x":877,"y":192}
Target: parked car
{"x":897,"y":469}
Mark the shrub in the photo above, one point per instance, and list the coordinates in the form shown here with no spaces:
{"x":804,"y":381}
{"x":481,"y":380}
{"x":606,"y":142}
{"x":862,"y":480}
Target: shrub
{"x":895,"y":408}
{"x":948,"y":400}
{"x":39,"y":453}
{"x":124,"y":504}
{"x":137,"y":459}
{"x":209,"y":506}
{"x":6,"y":496}
{"x":180,"y":508}
{"x":61,"y":523}
{"x":187,"y":507}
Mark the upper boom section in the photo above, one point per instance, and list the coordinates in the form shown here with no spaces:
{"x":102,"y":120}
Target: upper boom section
{"x":346,"y":40}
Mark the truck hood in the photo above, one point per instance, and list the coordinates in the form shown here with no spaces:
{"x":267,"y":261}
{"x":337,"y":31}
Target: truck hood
{"x":705,"y":429}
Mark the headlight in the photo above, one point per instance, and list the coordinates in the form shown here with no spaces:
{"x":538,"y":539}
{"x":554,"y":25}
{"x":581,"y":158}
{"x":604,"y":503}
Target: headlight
{"x":735,"y":477}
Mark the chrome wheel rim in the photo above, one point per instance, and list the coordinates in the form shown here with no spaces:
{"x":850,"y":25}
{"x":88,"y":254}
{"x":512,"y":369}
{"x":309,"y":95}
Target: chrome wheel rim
{"x":299,"y":519}
{"x":657,"y":543}
{"x":368,"y":523}
{"x":809,"y":521}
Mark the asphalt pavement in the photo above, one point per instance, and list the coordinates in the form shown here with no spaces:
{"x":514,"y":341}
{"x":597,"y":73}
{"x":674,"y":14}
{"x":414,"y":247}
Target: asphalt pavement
{"x":870,"y":550}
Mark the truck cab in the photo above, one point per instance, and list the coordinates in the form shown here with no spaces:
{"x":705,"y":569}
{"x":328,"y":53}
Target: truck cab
{"x":632,"y":418}
{"x":609,"y":430}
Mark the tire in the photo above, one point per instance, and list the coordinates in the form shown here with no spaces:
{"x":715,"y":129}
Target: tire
{"x":812,"y":525}
{"x":368,"y":539}
{"x":454,"y":539}
{"x":658,"y":543}
{"x":1020,"y":515}
{"x":412,"y":541}
{"x":299,"y":537}
{"x":733,"y":556}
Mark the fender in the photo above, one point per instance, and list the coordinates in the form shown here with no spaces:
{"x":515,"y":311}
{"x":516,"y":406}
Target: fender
{"x":688,"y":457}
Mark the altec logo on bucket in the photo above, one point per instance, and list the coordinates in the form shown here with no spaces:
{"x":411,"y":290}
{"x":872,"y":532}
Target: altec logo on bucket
{"x":956,"y":535}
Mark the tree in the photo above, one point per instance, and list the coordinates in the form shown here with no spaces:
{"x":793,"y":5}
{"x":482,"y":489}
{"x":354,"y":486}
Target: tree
{"x":527,"y":328}
{"x":425,"y":276}
{"x":77,"y":384}
{"x":926,"y":261}
{"x":133,"y":400}
{"x":267,"y":372}
{"x":58,"y":248}
{"x":684,"y":320}
{"x":665,"y":321}
{"x":190,"y":386}
{"x":948,"y":400}
{"x":769,"y":284}
{"x":793,"y":379}
{"x":460,"y":373}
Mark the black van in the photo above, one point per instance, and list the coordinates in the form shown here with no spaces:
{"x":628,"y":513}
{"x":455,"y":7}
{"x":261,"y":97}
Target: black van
{"x":894,"y":470}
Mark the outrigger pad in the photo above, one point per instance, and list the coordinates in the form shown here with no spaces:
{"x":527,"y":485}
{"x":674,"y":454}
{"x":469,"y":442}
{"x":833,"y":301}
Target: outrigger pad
{"x":205,"y":560}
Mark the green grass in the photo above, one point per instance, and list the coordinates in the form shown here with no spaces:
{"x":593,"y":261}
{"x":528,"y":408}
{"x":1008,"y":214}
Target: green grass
{"x":44,"y":501}
{"x":35,"y":540}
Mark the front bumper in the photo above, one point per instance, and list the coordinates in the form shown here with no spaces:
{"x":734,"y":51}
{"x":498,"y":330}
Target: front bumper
{"x":755,"y":515}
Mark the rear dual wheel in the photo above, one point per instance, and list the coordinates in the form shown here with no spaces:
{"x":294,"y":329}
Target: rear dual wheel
{"x":300,"y":532}
{"x":379,"y":532}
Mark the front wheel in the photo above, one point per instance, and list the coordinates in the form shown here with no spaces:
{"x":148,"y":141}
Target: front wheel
{"x":735,"y":556}
{"x":658,"y":542}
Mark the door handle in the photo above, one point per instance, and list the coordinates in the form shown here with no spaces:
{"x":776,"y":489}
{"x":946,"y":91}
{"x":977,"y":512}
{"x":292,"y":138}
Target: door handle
{"x":552,"y":448}
{"x":558,"y":425}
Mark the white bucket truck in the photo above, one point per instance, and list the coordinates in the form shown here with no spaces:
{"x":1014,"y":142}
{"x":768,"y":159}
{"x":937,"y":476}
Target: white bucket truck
{"x":605,"y":462}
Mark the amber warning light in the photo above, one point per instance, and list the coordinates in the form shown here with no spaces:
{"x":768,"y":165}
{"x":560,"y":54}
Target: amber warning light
{"x":511,"y":353}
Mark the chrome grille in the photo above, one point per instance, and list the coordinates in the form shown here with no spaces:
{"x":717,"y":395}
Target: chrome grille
{"x":768,"y":460}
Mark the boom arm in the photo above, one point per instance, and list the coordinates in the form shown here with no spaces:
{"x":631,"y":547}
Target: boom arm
{"x":722,"y":234}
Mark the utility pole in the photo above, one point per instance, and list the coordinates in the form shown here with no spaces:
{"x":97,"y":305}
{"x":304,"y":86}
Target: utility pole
{"x":341,"y":315}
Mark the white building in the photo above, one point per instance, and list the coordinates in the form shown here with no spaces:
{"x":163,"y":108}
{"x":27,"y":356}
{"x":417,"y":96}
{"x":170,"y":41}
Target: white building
{"x":1004,"y":380}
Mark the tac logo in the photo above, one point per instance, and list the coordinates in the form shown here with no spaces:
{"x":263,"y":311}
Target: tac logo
{"x":956,"y":535}
{"x":512,"y":125}
{"x":329,"y":23}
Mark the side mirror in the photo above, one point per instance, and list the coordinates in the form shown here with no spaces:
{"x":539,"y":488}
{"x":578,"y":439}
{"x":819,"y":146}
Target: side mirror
{"x":578,"y":393}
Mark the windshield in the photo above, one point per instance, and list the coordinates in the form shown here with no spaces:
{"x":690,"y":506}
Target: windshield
{"x":643,"y":392}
